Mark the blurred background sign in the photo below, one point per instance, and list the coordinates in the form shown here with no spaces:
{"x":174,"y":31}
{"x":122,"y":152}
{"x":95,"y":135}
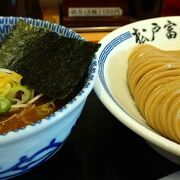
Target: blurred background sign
{"x":90,"y":16}
{"x":94,"y":13}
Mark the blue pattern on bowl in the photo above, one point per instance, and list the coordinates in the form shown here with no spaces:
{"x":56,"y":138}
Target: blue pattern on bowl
{"x":26,"y":163}
{"x":36,"y":152}
{"x":102,"y":58}
{"x":6,"y":25}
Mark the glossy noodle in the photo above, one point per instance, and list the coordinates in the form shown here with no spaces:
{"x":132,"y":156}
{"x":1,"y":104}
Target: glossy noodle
{"x":154,"y":81}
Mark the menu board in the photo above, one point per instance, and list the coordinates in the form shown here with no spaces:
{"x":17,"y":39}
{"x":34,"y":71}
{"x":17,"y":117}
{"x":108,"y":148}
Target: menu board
{"x":94,"y":13}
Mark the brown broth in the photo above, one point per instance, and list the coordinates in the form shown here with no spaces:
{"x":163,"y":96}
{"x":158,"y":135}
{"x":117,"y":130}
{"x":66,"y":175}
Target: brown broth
{"x":25,"y":116}
{"x":21,"y":117}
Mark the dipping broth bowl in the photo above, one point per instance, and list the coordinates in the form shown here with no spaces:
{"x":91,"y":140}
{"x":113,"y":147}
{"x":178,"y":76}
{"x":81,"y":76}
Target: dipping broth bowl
{"x":25,"y":148}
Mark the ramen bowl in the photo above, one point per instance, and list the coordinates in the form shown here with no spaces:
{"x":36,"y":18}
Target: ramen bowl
{"x":112,"y":87}
{"x":25,"y":148}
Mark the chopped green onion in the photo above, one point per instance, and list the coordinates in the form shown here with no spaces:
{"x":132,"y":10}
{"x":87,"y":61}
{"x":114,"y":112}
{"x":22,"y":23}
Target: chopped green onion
{"x":5,"y":105}
{"x":24,"y":96}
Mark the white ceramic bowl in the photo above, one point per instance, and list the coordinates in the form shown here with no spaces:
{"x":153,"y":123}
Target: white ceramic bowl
{"x":23,"y":149}
{"x":111,"y":85}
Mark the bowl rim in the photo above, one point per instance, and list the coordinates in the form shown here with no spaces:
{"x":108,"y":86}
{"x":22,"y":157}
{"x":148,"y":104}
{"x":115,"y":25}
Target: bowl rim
{"x":67,"y":108}
{"x":119,"y":113}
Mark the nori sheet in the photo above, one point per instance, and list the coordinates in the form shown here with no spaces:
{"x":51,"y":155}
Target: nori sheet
{"x":17,"y":43}
{"x":52,"y":64}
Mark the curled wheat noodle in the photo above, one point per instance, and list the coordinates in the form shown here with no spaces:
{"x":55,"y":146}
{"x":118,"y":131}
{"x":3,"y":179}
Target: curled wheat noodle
{"x":154,"y":81}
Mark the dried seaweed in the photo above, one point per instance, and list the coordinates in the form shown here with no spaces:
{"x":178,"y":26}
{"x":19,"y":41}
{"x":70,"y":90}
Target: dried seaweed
{"x":17,"y":43}
{"x":51,"y":64}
